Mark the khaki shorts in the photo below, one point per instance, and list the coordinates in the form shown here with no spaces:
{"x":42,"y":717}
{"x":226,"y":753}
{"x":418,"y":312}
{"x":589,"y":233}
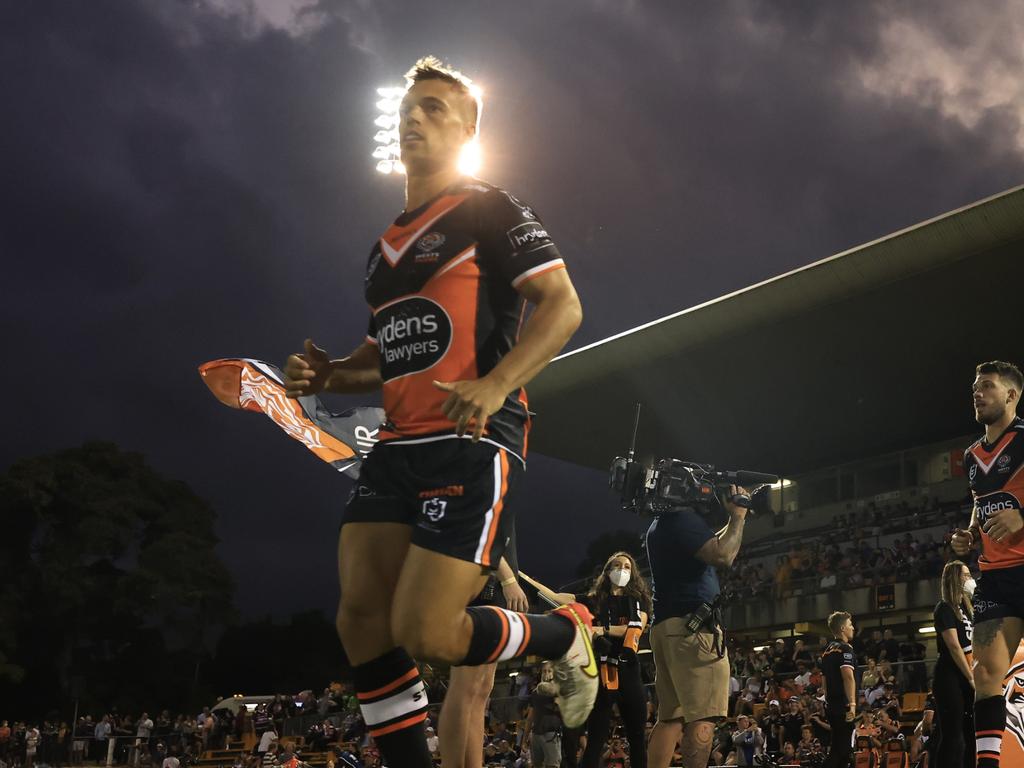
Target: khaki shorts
{"x":692,"y":683}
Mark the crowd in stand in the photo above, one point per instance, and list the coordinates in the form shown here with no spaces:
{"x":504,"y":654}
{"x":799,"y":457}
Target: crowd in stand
{"x":847,"y":557}
{"x":776,"y":703}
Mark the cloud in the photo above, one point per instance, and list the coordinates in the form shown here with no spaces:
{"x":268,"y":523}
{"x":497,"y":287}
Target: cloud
{"x":963,"y":62}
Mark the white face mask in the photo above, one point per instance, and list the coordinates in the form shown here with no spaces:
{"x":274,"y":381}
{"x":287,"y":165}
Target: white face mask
{"x":619,"y":577}
{"x":969,"y":586}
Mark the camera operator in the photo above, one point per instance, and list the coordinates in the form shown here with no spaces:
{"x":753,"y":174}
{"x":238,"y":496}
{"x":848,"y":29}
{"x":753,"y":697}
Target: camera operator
{"x":687,"y":639}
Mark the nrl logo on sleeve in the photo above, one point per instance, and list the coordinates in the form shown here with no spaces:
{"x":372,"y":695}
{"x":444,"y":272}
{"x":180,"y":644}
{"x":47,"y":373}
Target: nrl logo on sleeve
{"x":527,"y":234}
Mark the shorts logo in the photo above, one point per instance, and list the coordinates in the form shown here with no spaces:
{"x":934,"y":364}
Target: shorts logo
{"x":434,"y":509}
{"x":997,"y":502}
{"x":414,"y":334}
{"x":527,"y":234}
{"x":430,"y":242}
{"x":448,"y":490}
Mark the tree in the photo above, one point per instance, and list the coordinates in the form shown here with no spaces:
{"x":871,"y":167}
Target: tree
{"x":601,"y":548}
{"x":110,"y":576}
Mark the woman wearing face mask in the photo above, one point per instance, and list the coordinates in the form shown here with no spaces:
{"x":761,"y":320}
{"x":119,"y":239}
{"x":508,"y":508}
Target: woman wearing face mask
{"x":620,"y":601}
{"x":953,"y":686}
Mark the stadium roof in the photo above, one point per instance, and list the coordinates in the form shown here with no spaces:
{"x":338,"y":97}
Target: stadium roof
{"x":866,"y":352}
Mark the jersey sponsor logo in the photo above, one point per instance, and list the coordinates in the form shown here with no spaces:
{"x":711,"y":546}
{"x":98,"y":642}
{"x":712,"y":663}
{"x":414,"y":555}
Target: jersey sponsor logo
{"x":997,"y":502}
{"x":448,"y":490}
{"x":433,"y":509}
{"x":1003,"y":465}
{"x":527,"y":234}
{"x":414,"y":335}
{"x":427,"y":258}
{"x":973,"y":472}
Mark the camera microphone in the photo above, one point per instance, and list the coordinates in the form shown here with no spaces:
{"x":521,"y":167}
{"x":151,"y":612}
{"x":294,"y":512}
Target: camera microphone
{"x":744,"y":478}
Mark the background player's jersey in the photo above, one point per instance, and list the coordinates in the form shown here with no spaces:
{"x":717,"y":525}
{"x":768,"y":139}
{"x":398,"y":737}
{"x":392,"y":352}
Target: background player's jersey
{"x":996,"y":474}
{"x":442,"y":288}
{"x":836,"y":655}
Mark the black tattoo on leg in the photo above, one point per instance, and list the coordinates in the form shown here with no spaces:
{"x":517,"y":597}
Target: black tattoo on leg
{"x":986,"y":632}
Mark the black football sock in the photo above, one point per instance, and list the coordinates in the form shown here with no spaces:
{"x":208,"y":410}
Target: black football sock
{"x":989,"y":724}
{"x":393,"y":702}
{"x":499,"y":635}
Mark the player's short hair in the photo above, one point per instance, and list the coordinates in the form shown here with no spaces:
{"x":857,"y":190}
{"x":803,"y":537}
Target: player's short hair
{"x":1004,"y":370}
{"x":432,"y":68}
{"x":836,"y":620}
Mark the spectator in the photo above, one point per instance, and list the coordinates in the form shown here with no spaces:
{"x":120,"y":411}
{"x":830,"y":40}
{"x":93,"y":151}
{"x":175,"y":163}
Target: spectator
{"x":143,"y":731}
{"x":615,"y":756}
{"x":101,"y":734}
{"x":872,"y":678}
{"x":771,"y":724}
{"x":792,"y":721}
{"x":889,"y":648}
{"x":432,"y":744}
{"x":788,"y":754}
{"x":171,"y":761}
{"x":808,"y":749}
{"x":748,"y":740}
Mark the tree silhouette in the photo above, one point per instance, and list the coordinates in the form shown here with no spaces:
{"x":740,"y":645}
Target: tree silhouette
{"x":601,"y":547}
{"x":110,"y":578}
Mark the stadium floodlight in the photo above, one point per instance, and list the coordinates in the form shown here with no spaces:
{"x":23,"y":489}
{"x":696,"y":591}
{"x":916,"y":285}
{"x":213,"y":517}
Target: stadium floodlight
{"x":387,"y":121}
{"x":927,"y":631}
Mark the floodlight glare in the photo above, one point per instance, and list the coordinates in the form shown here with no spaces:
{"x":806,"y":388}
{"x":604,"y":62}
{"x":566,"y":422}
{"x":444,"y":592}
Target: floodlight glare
{"x":469,"y":159}
{"x":387,"y":136}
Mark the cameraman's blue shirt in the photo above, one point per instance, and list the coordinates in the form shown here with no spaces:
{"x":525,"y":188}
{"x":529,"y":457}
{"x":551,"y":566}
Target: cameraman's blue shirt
{"x":681,"y":580}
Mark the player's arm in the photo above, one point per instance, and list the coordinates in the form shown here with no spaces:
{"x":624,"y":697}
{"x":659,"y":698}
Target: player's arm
{"x":312,"y":371}
{"x":556,"y":316}
{"x":850,"y":689}
{"x":515,"y":598}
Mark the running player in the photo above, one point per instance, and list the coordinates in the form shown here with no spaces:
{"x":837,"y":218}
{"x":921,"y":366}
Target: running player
{"x":447,"y":286}
{"x":995,"y":468}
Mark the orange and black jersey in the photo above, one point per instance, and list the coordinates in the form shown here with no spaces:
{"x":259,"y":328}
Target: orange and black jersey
{"x":996,"y":474}
{"x":442,"y":288}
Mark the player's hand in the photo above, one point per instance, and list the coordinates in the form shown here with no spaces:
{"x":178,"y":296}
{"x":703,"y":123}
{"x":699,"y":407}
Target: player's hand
{"x":731,"y":507}
{"x":962,"y":541}
{"x":515,"y":598}
{"x":1004,"y":524}
{"x":306,"y":373}
{"x":471,"y":402}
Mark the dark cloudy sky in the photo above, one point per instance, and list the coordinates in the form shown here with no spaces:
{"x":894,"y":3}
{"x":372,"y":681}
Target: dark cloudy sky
{"x":183,"y":181}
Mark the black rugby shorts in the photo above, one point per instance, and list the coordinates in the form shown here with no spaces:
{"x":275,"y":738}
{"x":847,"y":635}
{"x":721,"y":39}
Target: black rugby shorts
{"x":999,"y":594}
{"x":454,"y":493}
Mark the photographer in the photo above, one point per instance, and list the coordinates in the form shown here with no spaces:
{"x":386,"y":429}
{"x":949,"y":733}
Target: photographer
{"x":688,"y":642}
{"x":748,"y":739}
